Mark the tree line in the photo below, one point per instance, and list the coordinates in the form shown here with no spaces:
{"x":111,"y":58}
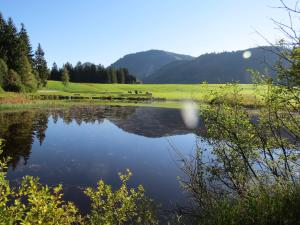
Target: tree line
{"x":20,"y":68}
{"x":90,"y":73}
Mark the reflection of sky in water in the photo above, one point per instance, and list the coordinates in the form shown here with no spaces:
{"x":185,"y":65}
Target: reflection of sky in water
{"x":79,"y":155}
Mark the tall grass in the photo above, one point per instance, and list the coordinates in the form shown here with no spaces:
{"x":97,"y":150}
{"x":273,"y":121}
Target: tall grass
{"x":276,"y":206}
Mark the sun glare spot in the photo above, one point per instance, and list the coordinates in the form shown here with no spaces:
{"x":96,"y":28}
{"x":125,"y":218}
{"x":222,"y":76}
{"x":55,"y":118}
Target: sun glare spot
{"x":190,"y":115}
{"x":247,"y":54}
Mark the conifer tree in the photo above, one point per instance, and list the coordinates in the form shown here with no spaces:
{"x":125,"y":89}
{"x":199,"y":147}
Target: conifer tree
{"x":2,"y":37}
{"x":108,"y":76}
{"x":113,"y":76}
{"x":3,"y":72}
{"x":11,"y":45}
{"x":54,"y":75}
{"x":40,"y":66}
{"x":25,"y":43}
{"x":27,"y":76}
{"x":65,"y":78}
{"x":121,"y":76}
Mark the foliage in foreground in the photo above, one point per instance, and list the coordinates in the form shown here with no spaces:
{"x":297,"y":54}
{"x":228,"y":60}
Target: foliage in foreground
{"x":124,"y":206}
{"x":34,"y":203}
{"x":279,"y":205}
{"x":251,"y":174}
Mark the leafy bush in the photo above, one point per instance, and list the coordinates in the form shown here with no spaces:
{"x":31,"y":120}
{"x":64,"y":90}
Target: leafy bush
{"x":124,"y":206}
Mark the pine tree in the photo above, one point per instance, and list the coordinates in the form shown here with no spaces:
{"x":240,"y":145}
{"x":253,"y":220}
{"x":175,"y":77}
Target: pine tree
{"x":11,"y":42}
{"x":108,"y":76}
{"x":3,"y":72}
{"x":2,"y":37}
{"x":65,"y":76}
{"x":40,"y":66}
{"x":54,"y":75}
{"x":27,"y":76}
{"x":113,"y":75}
{"x":25,"y":43}
{"x":121,"y":76}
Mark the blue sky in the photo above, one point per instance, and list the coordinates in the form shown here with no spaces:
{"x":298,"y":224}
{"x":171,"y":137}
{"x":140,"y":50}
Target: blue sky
{"x":101,"y":31}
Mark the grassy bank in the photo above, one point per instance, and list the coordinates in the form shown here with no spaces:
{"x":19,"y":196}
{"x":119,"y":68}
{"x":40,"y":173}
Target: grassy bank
{"x":169,"y":92}
{"x":41,"y":104}
{"x":155,"y":95}
{"x":166,"y":91}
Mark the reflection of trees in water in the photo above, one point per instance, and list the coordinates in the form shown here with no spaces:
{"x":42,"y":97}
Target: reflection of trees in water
{"x":19,"y":129}
{"x":91,"y":114}
{"x":40,"y":126}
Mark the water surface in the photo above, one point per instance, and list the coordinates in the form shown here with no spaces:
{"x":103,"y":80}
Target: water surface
{"x":78,"y":146}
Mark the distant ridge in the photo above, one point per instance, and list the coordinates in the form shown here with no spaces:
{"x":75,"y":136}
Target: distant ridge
{"x":215,"y":67}
{"x":143,"y":64}
{"x":157,"y":66}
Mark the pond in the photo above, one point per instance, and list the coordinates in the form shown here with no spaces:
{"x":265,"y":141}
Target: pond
{"x":78,"y":146}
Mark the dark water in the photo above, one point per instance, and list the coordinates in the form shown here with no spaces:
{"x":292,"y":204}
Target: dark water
{"x":78,"y":146}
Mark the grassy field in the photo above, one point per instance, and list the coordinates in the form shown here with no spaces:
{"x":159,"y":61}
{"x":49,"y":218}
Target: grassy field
{"x":197,"y":92}
{"x":172,"y":94}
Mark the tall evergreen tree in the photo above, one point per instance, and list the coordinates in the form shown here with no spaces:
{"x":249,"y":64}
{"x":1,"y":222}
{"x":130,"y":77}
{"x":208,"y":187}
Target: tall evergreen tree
{"x":40,"y":66}
{"x":113,"y":75}
{"x":3,"y":72}
{"x":55,"y":75}
{"x":25,"y":43}
{"x":12,"y":48}
{"x":27,"y":76}
{"x":65,"y":78}
{"x":121,"y":76}
{"x":2,"y":38}
{"x":108,"y":76}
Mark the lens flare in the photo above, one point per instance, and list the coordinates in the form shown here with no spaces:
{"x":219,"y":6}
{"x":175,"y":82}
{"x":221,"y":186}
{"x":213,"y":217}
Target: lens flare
{"x":190,"y":114}
{"x":247,"y":54}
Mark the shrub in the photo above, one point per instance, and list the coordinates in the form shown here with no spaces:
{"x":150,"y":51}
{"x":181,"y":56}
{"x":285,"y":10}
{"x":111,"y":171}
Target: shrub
{"x":280,"y":205}
{"x":123,"y":206}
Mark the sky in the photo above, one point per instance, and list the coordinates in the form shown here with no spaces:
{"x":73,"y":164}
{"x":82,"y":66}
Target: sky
{"x":102,"y":31}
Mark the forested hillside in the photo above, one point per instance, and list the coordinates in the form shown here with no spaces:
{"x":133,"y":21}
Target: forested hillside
{"x":143,"y":64}
{"x":216,"y":67}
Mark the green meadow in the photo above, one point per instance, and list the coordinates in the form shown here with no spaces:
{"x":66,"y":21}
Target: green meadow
{"x":162,"y":95}
{"x":197,"y":92}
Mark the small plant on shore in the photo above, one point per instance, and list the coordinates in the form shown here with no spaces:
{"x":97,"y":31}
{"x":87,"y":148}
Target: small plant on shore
{"x":123,"y":206}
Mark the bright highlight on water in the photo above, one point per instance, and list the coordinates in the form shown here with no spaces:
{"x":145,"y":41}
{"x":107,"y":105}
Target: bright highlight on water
{"x":190,"y":114}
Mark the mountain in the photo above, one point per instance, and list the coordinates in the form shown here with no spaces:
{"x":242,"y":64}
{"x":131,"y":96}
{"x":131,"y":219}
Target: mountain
{"x":143,"y":64}
{"x":215,"y":67}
